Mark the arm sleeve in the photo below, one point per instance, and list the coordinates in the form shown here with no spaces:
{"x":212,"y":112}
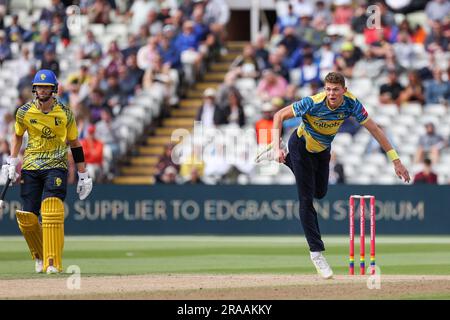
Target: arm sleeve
{"x":302,"y":106}
{"x":359,"y":112}
{"x":19,"y":126}
{"x":72,"y":130}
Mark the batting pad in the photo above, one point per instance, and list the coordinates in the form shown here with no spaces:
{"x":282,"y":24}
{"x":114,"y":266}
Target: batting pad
{"x":32,"y":232}
{"x":52,"y":212}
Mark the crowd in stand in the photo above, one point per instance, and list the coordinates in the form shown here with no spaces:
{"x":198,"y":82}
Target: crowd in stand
{"x":316,"y":37}
{"x":169,"y":44}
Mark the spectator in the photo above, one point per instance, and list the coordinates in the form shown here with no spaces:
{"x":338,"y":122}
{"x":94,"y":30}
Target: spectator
{"x":437,"y":10}
{"x":326,"y":56}
{"x":59,"y":30}
{"x":414,"y":91}
{"x":405,"y":51}
{"x":263,"y":126}
{"x":138,"y":13}
{"x":233,"y":110}
{"x":309,"y":72}
{"x":50,"y":62}
{"x":194,"y":177}
{"x":261,"y":51}
{"x":226,"y":87}
{"x":359,"y":19}
{"x":277,"y":62}
{"x":209,"y":113}
{"x":55,"y":8}
{"x":24,"y":82}
{"x":390,"y":91}
{"x":99,"y":12}
{"x":337,"y":175}
{"x":303,"y":7}
{"x":167,"y":160}
{"x":158,"y":82}
{"x":247,"y":64}
{"x":437,"y":40}
{"x":290,"y":41}
{"x":93,"y":154}
{"x":426,"y":176}
{"x":95,"y":104}
{"x":5,"y":49}
{"x":343,"y":12}
{"x":350,"y":55}
{"x":24,"y":63}
{"x":106,"y":132}
{"x":152,"y":23}
{"x":169,"y":176}
{"x":45,"y":43}
{"x":288,"y":20}
{"x":168,"y":51}
{"x":15,"y":32}
{"x":201,"y":29}
{"x":90,"y":47}
{"x":322,"y":12}
{"x":271,"y":85}
{"x":186,"y":7}
{"x":437,"y":90}
{"x":430,"y":145}
{"x":132,"y":47}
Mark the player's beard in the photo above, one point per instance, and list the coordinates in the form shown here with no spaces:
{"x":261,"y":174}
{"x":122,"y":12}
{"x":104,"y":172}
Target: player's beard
{"x":44,"y":98}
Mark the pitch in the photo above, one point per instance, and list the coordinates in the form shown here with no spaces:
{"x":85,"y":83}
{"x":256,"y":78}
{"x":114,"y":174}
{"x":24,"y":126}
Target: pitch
{"x":225,"y":267}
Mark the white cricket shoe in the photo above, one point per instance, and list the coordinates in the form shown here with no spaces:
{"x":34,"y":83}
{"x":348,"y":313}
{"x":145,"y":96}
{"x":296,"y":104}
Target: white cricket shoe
{"x":267,"y":152}
{"x":321,"y":264}
{"x":52,"y":269}
{"x":39,"y":266}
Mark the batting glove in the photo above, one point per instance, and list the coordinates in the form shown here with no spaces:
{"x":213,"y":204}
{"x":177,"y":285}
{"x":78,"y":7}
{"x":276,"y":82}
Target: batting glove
{"x":84,"y":186}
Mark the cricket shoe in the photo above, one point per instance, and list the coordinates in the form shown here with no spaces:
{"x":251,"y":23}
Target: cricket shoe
{"x":321,"y":264}
{"x":52,"y":270}
{"x":268,"y":154}
{"x":39,"y":266}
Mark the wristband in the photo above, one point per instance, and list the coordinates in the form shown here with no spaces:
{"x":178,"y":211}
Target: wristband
{"x":78,"y":154}
{"x":392,"y":155}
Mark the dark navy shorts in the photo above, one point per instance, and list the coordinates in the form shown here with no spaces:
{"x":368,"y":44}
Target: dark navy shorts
{"x":37,"y":185}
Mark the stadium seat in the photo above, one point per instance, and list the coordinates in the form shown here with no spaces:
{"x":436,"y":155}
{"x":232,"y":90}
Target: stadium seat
{"x":435,"y":109}
{"x":414,"y":109}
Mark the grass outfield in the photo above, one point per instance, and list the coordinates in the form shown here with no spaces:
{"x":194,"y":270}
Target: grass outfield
{"x":226,"y":255}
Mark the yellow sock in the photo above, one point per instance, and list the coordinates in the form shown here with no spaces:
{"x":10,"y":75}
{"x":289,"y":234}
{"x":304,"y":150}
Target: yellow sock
{"x":32,"y":232}
{"x":52,"y":211}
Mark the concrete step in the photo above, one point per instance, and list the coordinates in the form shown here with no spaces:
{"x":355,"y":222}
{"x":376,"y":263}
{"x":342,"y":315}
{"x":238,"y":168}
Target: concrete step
{"x":236,"y":45}
{"x":185,"y":112}
{"x":194,"y":94}
{"x":138,"y":171}
{"x":220,"y":67}
{"x":134,"y":180}
{"x":179,"y":122}
{"x":229,"y":57}
{"x":214,"y":76}
{"x":191,"y":103}
{"x":151,"y":150}
{"x":159,"y":140}
{"x":204,"y":85}
{"x":144,"y":160}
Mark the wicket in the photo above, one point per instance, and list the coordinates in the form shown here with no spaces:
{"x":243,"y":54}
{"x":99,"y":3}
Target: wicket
{"x":362,"y":233}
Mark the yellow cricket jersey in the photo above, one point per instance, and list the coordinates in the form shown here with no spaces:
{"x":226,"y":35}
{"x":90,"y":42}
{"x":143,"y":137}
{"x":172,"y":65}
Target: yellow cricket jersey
{"x":47,"y":135}
{"x":320,"y":123}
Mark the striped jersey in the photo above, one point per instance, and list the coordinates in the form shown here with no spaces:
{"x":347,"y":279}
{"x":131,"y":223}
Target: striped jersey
{"x":320,"y":123}
{"x":47,"y":135}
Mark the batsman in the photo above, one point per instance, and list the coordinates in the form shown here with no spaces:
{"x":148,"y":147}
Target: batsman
{"x":51,"y":128}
